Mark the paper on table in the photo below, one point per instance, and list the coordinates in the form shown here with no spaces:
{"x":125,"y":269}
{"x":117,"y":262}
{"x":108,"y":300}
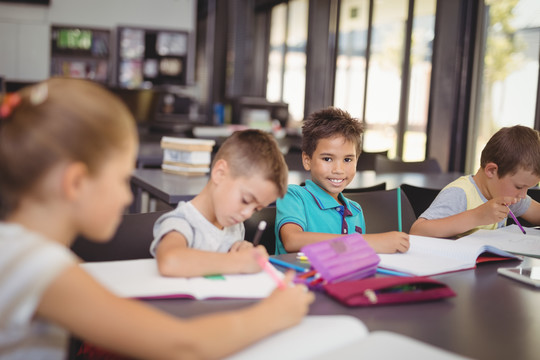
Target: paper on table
{"x":339,"y":337}
{"x":389,"y":345}
{"x":509,"y":238}
{"x":141,"y":279}
{"x":313,"y":336}
{"x":430,"y":256}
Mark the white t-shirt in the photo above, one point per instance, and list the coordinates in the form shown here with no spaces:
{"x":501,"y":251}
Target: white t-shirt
{"x":200,"y":233}
{"x":28,"y":264}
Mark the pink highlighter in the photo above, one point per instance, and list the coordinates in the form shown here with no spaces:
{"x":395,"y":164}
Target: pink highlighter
{"x":270,"y":270}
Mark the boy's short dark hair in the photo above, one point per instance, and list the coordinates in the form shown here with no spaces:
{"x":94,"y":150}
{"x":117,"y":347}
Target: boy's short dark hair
{"x":330,"y":122}
{"x":253,"y":151}
{"x":513,"y":148}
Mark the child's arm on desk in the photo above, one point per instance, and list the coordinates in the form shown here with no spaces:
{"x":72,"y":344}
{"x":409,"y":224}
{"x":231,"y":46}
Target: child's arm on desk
{"x":175,"y":258}
{"x":388,"y":242}
{"x":490,"y":212}
{"x":78,"y":303}
{"x":294,"y":237}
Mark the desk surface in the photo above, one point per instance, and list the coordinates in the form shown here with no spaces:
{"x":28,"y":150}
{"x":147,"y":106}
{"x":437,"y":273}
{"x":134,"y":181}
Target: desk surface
{"x":492,"y":317}
{"x":172,"y":188}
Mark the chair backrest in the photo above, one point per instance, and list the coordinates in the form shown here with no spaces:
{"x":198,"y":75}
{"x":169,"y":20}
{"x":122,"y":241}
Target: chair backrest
{"x":366,"y":160}
{"x":293,"y":158}
{"x":381,"y":211}
{"x":131,"y":241}
{"x":419,"y":197}
{"x":381,"y":186}
{"x":534,"y":193}
{"x":268,"y":238}
{"x":386,"y":165}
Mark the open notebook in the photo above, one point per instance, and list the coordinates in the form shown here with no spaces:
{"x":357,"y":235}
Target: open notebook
{"x":431,"y":256}
{"x":509,"y":238}
{"x":141,"y":279}
{"x":339,"y":337}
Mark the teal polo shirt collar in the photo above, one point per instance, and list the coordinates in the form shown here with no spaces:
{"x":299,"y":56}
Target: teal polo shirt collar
{"x":325,"y":200}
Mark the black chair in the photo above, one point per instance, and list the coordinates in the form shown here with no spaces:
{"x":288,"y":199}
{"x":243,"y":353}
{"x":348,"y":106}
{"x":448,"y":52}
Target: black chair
{"x":366,"y":160}
{"x":534,"y":193}
{"x":268,"y":238}
{"x":419,"y":197}
{"x":381,"y":210}
{"x":376,"y":187}
{"x":131,"y":241}
{"x":293,"y":158}
{"x":386,"y":165}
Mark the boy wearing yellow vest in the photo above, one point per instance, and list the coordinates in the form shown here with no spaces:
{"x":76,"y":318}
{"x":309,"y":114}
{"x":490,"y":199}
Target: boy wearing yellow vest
{"x":509,"y":165}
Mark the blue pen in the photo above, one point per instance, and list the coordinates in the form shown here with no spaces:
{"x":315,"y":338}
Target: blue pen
{"x":287,"y":265}
{"x":391,"y":272}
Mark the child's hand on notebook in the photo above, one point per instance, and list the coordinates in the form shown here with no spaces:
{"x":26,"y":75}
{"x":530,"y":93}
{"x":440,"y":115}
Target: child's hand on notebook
{"x":388,"y":242}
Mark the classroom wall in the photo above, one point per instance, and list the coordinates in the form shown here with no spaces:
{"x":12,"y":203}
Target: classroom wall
{"x":25,"y":29}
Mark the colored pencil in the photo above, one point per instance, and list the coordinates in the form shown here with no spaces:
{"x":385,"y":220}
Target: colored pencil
{"x":515,"y":219}
{"x":287,"y":265}
{"x":400,"y":227}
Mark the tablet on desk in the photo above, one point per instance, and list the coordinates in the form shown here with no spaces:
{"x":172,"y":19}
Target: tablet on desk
{"x":528,"y":272}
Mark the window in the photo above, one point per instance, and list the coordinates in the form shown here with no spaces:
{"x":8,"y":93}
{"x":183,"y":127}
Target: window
{"x":384,"y":76}
{"x":508,"y":76}
{"x":351,"y":58}
{"x":287,"y":56}
{"x":370,"y":72}
{"x":423,"y":32}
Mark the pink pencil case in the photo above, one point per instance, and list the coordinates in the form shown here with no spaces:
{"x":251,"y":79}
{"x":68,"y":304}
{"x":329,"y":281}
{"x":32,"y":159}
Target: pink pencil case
{"x":344,"y":258}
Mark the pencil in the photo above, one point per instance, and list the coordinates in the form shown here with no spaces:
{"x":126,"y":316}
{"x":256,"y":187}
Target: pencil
{"x":391,"y":272}
{"x":270,"y":270}
{"x":400,"y":227}
{"x":258,"y":234}
{"x":287,"y":265}
{"x":516,"y":220}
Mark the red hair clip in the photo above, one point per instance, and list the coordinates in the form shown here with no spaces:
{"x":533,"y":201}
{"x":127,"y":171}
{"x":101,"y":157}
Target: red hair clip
{"x":9,"y":102}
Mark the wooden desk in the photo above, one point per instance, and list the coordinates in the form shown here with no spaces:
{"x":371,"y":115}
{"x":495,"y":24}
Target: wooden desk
{"x":172,"y":189}
{"x":491,"y":318}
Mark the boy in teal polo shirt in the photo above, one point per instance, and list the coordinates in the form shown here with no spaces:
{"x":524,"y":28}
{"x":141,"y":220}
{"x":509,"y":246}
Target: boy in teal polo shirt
{"x":331,"y":144}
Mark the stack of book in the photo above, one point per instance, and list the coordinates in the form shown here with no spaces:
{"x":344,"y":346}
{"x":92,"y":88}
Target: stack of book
{"x":190,"y":157}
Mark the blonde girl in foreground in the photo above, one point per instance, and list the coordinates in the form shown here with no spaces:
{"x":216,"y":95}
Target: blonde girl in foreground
{"x":67,"y":150}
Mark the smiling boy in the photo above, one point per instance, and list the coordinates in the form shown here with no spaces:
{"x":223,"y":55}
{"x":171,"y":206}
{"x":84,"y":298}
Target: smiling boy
{"x":509,"y":165}
{"x":331,"y":144}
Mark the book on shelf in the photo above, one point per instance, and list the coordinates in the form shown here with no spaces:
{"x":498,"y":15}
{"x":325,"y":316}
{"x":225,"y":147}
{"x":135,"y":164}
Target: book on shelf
{"x":508,"y":238}
{"x":339,"y":337}
{"x":140,"y":279}
{"x":432,"y":256}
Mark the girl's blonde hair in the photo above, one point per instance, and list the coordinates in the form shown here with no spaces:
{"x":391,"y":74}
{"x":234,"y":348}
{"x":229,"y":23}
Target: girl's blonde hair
{"x":57,"y":120}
